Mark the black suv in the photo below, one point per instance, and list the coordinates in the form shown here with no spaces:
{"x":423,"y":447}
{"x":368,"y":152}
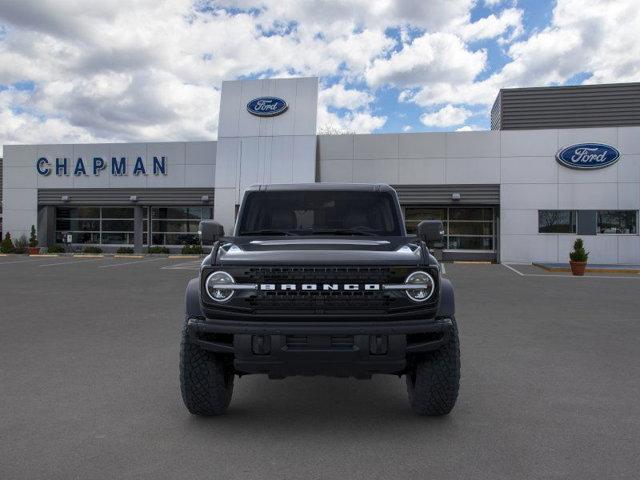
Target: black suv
{"x":320,"y":279}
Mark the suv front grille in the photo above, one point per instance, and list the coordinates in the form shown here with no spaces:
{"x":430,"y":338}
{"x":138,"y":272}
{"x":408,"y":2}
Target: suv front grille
{"x":319,"y":300}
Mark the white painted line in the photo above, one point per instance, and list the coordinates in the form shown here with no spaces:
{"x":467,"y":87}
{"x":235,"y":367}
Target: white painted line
{"x":513,"y":270}
{"x":70,"y":262}
{"x":183,"y":266}
{"x":129,"y":263}
{"x":444,"y":270}
{"x":546,"y":275}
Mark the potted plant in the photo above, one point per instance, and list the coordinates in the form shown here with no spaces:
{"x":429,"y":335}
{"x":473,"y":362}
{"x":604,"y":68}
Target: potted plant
{"x":7,"y":244}
{"x":33,"y":242}
{"x":578,"y":258}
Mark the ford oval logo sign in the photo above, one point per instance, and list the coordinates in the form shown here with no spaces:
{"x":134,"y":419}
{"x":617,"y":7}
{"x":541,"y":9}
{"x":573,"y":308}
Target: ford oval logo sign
{"x":588,"y":156}
{"x":267,"y":106}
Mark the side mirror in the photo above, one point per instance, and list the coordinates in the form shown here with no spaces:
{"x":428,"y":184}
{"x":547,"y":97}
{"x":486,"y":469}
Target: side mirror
{"x":210,"y":231}
{"x":431,"y":231}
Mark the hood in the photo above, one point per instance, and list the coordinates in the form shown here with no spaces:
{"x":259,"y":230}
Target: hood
{"x":319,"y":251}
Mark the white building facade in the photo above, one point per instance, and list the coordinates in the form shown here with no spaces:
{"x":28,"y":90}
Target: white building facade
{"x":502,"y":194}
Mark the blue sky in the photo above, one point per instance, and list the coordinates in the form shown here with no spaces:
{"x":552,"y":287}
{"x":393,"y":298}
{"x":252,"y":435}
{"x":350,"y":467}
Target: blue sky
{"x":77,"y":71}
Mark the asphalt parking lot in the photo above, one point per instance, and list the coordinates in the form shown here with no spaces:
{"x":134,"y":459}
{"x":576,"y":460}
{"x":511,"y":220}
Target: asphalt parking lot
{"x":89,"y":385}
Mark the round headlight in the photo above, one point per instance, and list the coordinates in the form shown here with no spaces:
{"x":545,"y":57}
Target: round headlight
{"x":421,"y":286}
{"x":215,"y":286}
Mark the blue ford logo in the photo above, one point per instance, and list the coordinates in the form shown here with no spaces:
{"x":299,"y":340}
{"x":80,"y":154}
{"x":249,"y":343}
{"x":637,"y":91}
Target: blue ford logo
{"x":267,"y":106}
{"x":588,"y":156}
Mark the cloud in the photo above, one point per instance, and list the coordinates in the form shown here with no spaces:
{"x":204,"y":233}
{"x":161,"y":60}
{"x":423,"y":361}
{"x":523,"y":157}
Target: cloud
{"x":151,"y":69}
{"x":469,"y":128}
{"x":433,"y":57}
{"x":447,"y":116}
{"x":338,"y":96}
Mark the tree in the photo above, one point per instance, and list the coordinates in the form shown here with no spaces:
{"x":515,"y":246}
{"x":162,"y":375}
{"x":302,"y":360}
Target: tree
{"x":33,"y":239}
{"x":7,"y":244}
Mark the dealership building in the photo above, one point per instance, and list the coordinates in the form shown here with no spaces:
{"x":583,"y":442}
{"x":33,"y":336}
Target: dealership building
{"x":559,"y":162}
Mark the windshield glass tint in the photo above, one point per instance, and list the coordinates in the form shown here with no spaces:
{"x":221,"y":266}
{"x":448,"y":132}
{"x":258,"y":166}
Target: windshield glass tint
{"x":319,"y":212}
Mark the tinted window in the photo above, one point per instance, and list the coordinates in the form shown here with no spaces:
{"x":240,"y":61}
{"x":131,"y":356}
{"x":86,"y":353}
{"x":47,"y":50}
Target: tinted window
{"x":617,"y":221}
{"x":319,"y":212}
{"x":556,"y":221}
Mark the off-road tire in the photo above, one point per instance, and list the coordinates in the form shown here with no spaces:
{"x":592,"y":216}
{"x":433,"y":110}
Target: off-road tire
{"x":206,"y":381}
{"x":434,"y":379}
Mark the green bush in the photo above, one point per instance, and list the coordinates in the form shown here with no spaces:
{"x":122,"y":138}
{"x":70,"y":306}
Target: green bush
{"x":158,"y":249}
{"x":125,"y":250}
{"x":7,"y":244}
{"x":579,"y":254}
{"x":92,"y":249}
{"x":55,"y":249}
{"x":21,"y":245}
{"x":192,"y":250}
{"x":33,"y":238}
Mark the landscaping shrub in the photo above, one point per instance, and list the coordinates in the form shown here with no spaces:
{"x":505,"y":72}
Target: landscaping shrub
{"x":7,"y":244}
{"x":158,"y":249}
{"x":192,"y":250}
{"x":33,"y":238}
{"x":21,"y":245}
{"x":92,"y":249}
{"x":125,"y":250}
{"x":579,"y":254}
{"x":55,"y":249}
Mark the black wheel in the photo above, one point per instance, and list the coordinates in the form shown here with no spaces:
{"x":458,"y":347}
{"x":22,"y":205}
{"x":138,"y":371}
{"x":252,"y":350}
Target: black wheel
{"x":433,"y":382}
{"x":206,"y":381}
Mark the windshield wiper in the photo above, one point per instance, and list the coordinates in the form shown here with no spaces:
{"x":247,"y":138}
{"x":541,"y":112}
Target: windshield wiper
{"x":344,"y":231}
{"x":268,"y":232}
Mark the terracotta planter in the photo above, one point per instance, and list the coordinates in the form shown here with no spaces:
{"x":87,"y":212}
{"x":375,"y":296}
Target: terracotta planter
{"x":578,"y":268}
{"x":34,"y":250}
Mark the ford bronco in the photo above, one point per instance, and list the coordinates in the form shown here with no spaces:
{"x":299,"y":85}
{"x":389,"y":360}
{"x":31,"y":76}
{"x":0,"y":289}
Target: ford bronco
{"x":320,"y":279}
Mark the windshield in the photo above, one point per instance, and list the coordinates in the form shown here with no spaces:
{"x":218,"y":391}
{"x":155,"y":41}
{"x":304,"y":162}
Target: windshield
{"x":319,"y":213}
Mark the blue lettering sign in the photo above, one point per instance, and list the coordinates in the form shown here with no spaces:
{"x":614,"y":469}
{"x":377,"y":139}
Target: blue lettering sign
{"x":98,"y":165}
{"x":61,"y":166}
{"x":160,"y":166}
{"x":267,"y":106}
{"x":139,"y":167}
{"x":79,"y":170}
{"x":118,"y":167}
{"x":588,"y":156}
{"x":42,"y":165}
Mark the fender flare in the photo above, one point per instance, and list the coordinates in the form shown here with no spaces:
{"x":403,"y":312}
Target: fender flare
{"x":192,"y":299}
{"x":447,"y":305}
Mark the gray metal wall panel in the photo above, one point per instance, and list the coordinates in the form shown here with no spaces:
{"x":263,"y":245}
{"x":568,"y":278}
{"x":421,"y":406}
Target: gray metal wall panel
{"x":442,"y":194}
{"x":587,"y":222}
{"x":120,"y":196}
{"x":567,"y":107}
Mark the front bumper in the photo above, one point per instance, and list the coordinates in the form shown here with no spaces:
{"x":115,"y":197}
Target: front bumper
{"x":281,"y":349}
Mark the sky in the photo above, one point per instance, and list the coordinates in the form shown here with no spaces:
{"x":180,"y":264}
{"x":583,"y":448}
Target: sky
{"x":77,"y":71}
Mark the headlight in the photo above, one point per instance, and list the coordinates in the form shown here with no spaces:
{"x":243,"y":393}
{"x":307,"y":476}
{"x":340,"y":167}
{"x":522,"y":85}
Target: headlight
{"x":215,"y":286}
{"x":420,"y":286}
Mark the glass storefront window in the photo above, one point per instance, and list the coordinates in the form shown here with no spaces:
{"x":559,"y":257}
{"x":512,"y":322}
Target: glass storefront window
{"x":556,"y":221}
{"x":95,"y":225}
{"x":618,"y":221}
{"x":466,"y":228}
{"x":177,"y":225}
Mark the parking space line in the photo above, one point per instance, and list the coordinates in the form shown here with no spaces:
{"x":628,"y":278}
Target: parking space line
{"x":70,"y":262}
{"x":546,"y":275}
{"x":513,"y":269}
{"x":130,"y":263}
{"x":182,"y":266}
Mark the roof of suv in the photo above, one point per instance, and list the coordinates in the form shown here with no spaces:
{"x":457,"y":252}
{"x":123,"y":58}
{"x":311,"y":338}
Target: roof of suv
{"x":359,"y":187}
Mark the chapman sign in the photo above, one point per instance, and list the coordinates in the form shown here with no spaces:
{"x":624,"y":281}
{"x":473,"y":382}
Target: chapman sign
{"x":267,"y":106}
{"x":588,"y":156}
{"x":96,"y":165}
